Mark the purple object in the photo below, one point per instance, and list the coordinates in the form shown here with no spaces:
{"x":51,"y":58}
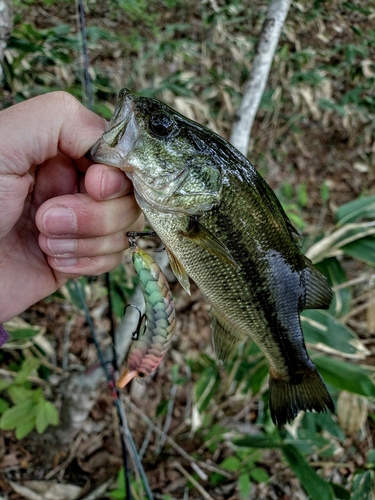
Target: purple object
{"x":4,"y":336}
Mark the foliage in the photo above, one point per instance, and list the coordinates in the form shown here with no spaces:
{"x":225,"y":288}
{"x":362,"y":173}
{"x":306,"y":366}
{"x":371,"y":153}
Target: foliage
{"x":30,"y":409}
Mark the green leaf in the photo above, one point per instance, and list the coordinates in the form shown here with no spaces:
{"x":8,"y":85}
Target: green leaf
{"x":363,"y":486}
{"x":332,"y":243}
{"x":231,"y":464}
{"x":314,"y":485}
{"x":19,"y":393}
{"x":371,"y":457}
{"x":3,"y":405}
{"x":258,"y":441}
{"x":244,"y":486}
{"x":18,"y":415}
{"x":4,"y":384}
{"x":259,"y":475}
{"x":22,"y":332}
{"x":362,"y":208}
{"x":24,"y":429}
{"x":346,"y":375}
{"x":363,"y":250}
{"x":332,"y":269}
{"x":46,"y":414}
{"x":28,"y":366}
{"x":321,"y":327}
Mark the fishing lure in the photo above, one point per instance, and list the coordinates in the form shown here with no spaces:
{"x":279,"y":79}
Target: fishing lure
{"x":151,"y":344}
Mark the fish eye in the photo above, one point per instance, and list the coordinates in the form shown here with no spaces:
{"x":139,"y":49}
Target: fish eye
{"x":161,"y":125}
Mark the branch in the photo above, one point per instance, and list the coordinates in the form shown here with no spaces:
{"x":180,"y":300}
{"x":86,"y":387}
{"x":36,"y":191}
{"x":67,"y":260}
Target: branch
{"x":265,"y":50}
{"x":6,"y":24}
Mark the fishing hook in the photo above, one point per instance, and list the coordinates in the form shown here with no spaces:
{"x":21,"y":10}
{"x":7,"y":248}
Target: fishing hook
{"x":142,"y":322}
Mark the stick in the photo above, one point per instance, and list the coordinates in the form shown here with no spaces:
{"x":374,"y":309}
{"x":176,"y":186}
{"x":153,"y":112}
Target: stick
{"x":266,"y":47}
{"x":195,"y":483}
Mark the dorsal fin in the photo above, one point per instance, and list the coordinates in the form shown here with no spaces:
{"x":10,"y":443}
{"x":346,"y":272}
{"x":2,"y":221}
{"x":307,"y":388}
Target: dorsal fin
{"x":225,"y":338}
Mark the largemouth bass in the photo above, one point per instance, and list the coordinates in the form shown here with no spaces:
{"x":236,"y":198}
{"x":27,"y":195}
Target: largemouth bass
{"x":223,"y":226}
{"x":146,"y":353}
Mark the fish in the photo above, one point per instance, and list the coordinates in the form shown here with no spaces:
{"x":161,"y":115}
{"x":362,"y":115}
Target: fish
{"x":223,"y":227}
{"x":147,"y":352}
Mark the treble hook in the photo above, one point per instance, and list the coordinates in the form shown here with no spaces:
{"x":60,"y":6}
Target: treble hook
{"x":133,"y":235}
{"x":142,"y":322}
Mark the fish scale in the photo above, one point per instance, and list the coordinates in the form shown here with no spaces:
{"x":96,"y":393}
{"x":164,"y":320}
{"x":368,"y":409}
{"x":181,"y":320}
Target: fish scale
{"x":223,"y":226}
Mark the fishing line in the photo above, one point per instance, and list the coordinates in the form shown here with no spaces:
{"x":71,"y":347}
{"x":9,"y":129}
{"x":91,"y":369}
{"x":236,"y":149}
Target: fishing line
{"x":126,"y":436}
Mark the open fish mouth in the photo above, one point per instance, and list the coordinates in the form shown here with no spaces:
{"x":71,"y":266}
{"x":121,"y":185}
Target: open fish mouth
{"x":120,"y":136}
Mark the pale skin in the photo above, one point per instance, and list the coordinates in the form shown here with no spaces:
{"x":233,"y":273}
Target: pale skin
{"x":60,"y":215}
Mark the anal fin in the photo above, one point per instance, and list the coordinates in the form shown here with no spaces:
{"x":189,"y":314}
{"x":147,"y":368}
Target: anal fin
{"x":225,"y":338}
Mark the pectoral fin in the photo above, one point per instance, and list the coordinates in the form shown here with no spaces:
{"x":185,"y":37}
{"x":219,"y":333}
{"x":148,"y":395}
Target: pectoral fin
{"x":205,"y":239}
{"x":179,"y":271}
{"x":225,"y":338}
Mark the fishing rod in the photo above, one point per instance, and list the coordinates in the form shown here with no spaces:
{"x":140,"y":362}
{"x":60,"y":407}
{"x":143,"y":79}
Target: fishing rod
{"x":126,"y":436}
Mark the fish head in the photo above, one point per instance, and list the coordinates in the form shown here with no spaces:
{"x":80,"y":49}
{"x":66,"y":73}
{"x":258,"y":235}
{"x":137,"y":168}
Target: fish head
{"x":163,"y":153}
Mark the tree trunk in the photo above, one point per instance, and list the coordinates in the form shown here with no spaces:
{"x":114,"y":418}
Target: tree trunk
{"x":266,"y":47}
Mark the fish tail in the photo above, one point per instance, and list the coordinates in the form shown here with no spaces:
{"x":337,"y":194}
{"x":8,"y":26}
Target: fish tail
{"x":301,"y":391}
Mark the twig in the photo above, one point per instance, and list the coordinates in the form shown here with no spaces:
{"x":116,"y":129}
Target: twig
{"x":195,"y":483}
{"x":267,"y":43}
{"x":168,"y":418}
{"x":44,"y":361}
{"x":169,"y":440}
{"x":34,"y":380}
{"x":145,"y":443}
{"x":135,"y":456}
{"x":99,"y":491}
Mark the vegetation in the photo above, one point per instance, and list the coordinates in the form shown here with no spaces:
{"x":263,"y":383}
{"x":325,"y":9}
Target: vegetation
{"x":314,"y":143}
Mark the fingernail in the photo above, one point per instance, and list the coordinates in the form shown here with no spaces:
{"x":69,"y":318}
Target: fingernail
{"x":61,"y":247}
{"x":59,"y":220}
{"x":113,"y":182}
{"x":66,"y":262}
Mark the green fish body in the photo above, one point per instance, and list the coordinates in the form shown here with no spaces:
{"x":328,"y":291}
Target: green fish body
{"x":223,"y":226}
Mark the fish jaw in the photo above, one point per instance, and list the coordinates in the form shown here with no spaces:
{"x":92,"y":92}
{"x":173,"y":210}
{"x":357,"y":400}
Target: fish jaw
{"x":120,"y":136}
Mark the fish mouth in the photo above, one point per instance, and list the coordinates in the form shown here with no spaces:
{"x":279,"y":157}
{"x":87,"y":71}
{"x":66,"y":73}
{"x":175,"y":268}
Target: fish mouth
{"x":120,"y":136}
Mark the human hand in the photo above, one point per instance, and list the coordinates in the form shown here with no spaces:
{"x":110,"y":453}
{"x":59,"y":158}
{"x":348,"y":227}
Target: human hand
{"x":60,"y":216}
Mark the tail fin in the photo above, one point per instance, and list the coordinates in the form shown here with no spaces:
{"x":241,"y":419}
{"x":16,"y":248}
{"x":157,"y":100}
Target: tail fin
{"x":301,"y":391}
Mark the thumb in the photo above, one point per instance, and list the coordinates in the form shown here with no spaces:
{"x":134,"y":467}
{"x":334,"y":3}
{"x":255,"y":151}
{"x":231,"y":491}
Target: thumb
{"x":32,"y":132}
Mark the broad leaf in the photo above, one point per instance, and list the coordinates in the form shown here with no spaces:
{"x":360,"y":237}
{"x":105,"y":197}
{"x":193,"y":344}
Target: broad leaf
{"x":346,"y":375}
{"x":336,"y":275}
{"x":314,"y":485}
{"x":363,"y":208}
{"x":320,"y":327}
{"x":363,"y":250}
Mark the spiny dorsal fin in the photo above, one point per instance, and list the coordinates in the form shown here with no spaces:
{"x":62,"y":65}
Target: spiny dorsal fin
{"x":318,"y":291}
{"x":225,"y":338}
{"x":204,"y":238}
{"x":179,"y":271}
